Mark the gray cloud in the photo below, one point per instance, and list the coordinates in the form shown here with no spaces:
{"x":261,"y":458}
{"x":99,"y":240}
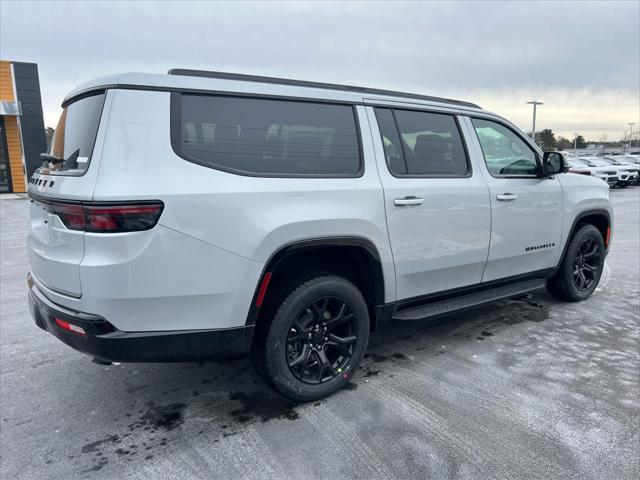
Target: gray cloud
{"x":455,"y":49}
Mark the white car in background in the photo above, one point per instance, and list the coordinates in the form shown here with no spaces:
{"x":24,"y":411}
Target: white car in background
{"x":627,"y":164}
{"x":584,"y":166}
{"x":632,"y":158}
{"x":626,"y":175}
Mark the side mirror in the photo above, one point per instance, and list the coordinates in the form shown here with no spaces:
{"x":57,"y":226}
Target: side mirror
{"x":554,"y":163}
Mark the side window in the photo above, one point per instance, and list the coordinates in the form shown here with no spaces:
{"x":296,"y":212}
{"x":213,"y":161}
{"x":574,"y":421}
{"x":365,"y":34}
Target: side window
{"x":505,"y":153}
{"x":267,"y":137}
{"x":391,"y":141}
{"x":422,"y":143}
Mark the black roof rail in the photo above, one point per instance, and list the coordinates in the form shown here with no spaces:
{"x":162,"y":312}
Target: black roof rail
{"x":304,"y":83}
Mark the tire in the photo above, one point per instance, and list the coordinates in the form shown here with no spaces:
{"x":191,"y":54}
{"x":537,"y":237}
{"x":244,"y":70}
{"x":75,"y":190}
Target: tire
{"x":314,"y":339}
{"x":271,"y":307}
{"x":585,"y":255}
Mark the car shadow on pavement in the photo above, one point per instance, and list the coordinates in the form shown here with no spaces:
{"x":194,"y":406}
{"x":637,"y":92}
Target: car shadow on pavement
{"x":220,"y":399}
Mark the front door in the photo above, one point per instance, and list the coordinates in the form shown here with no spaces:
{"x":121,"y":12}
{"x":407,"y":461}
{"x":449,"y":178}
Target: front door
{"x":5,"y":172}
{"x":527,"y":211}
{"x":438,"y":208}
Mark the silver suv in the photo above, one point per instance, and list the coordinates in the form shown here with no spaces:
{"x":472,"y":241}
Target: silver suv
{"x":201,"y":214}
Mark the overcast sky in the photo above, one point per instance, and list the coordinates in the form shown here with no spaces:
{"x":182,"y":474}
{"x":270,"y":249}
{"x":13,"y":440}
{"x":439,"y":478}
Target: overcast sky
{"x":581,"y":59}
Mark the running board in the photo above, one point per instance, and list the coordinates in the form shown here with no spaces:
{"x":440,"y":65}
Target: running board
{"x":440,"y":307}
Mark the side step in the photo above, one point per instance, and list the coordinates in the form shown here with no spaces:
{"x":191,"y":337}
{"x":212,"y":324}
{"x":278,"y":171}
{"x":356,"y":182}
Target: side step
{"x":440,"y":307}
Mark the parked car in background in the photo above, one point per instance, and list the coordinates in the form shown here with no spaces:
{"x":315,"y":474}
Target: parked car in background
{"x":627,"y":165}
{"x":632,"y":158}
{"x":584,"y":166}
{"x":625,"y":176}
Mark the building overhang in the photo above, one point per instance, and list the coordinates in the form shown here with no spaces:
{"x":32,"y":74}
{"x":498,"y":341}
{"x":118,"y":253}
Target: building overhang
{"x":10,"y":108}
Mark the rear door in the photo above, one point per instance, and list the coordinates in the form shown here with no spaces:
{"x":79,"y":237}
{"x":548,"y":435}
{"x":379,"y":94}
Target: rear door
{"x":437,"y":206}
{"x":55,"y":249}
{"x":527,"y":211}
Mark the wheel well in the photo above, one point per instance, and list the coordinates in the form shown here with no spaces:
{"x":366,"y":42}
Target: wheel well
{"x":598,"y":220}
{"x":356,"y":263}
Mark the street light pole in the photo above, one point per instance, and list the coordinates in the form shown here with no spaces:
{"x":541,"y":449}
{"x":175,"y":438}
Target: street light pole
{"x":535,"y":103}
{"x":575,"y":141}
{"x":631,"y":124}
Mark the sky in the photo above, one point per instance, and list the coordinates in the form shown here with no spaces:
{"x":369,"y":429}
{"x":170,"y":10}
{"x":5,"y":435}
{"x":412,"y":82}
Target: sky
{"x":582,"y":59}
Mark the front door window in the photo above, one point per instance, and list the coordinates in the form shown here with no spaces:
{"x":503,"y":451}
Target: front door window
{"x":505,"y":153}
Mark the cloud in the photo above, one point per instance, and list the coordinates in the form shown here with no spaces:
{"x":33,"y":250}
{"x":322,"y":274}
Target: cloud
{"x":581,"y":59}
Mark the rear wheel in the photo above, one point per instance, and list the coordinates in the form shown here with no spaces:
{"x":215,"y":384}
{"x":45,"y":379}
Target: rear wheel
{"x":315,"y":340}
{"x":581,"y":267}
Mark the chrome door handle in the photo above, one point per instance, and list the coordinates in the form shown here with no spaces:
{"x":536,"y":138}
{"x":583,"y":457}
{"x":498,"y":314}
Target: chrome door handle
{"x":411,"y":200}
{"x":506,"y":197}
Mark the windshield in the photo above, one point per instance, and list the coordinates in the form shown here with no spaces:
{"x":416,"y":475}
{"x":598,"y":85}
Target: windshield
{"x":596,"y":162}
{"x":574,"y":162}
{"x":612,"y":161}
{"x":75,"y":135}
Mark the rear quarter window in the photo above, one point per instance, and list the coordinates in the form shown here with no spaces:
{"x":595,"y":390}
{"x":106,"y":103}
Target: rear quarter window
{"x":266,"y":137}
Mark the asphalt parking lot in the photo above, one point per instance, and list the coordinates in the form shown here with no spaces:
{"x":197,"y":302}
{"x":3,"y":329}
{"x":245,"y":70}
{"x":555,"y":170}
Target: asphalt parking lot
{"x":531,"y":388}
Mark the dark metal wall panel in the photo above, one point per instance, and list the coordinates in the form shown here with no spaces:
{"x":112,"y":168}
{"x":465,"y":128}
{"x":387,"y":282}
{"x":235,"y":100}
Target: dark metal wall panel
{"x":32,"y":123}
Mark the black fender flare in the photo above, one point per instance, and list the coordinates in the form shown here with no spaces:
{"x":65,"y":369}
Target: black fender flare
{"x":577,"y":221}
{"x":308,"y":244}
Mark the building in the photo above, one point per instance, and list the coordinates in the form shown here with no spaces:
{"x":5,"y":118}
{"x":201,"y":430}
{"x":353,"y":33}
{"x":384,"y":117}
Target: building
{"x":22,"y":136}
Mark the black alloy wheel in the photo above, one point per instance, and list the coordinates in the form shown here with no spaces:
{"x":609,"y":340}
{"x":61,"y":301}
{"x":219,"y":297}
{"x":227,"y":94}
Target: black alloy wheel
{"x":586,"y":265}
{"x":313,"y":336}
{"x":581,"y":267}
{"x":321,"y":340}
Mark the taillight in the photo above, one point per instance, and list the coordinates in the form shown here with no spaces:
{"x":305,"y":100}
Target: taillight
{"x":121,"y":218}
{"x":70,"y":213}
{"x":107,"y":218}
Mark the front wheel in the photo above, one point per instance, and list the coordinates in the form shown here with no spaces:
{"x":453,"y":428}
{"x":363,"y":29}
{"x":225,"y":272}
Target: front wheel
{"x":316,"y":339}
{"x":581,"y":267}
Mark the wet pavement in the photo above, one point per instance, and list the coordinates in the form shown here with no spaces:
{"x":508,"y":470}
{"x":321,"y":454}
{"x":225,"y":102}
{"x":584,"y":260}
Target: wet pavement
{"x":533,"y":388}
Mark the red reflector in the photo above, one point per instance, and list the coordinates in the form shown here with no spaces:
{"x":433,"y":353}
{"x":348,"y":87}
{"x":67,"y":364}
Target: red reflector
{"x":69,"y":326}
{"x":606,"y":240}
{"x":263,"y":289}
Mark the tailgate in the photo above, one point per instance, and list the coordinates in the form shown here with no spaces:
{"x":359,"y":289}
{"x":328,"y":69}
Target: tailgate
{"x":55,"y":252}
{"x":55,"y":246}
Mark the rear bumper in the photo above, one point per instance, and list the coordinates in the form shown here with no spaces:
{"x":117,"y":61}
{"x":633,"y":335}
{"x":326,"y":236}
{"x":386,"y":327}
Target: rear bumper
{"x":103,"y":341}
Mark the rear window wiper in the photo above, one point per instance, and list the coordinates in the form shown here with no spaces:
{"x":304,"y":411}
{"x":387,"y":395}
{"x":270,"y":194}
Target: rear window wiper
{"x":46,"y":159}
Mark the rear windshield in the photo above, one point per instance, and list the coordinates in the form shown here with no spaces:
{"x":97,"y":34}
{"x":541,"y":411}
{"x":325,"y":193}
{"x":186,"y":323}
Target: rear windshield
{"x":75,"y":135}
